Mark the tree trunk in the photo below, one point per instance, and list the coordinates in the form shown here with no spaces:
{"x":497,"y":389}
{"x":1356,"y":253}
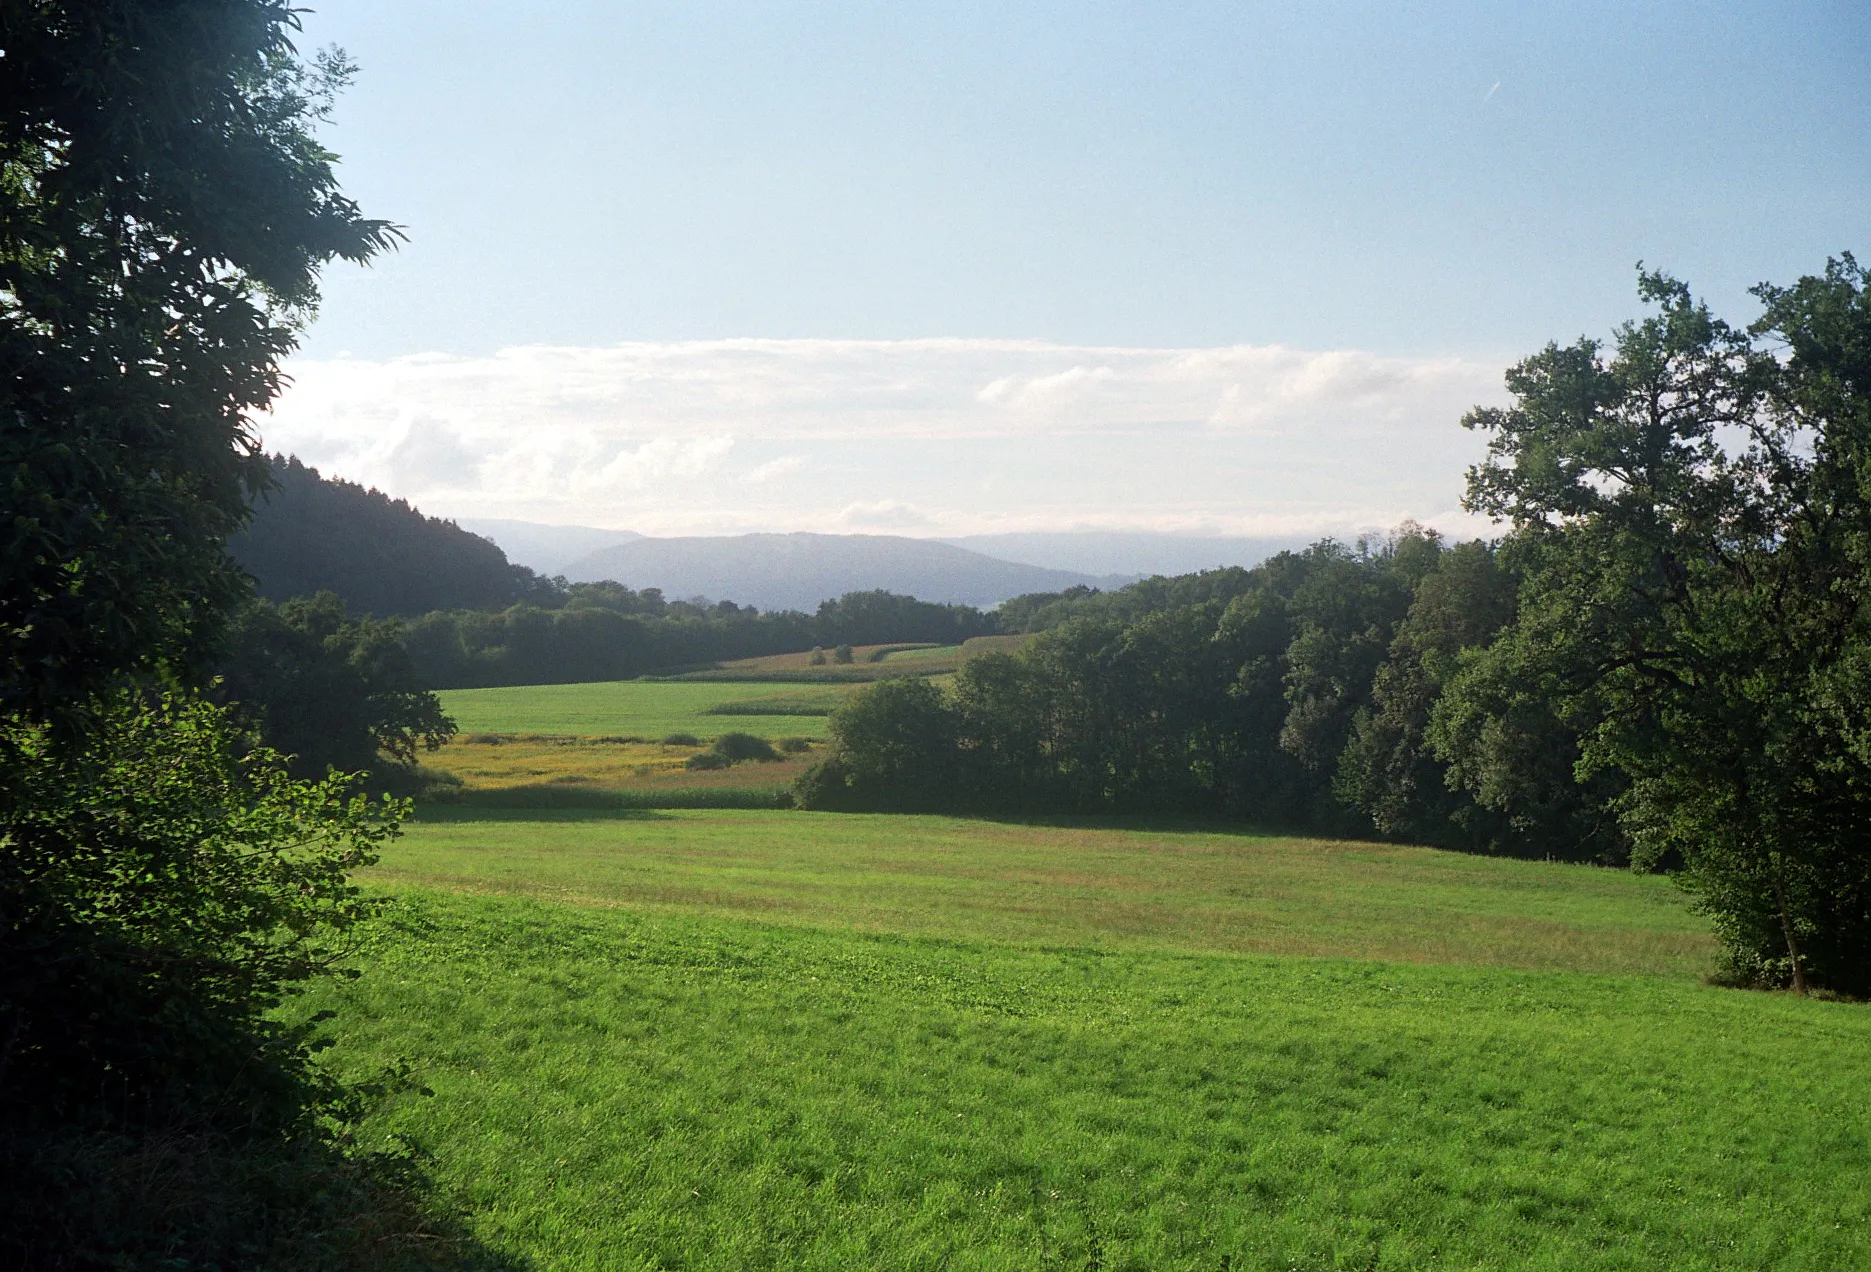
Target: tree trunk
{"x":1786,"y":928}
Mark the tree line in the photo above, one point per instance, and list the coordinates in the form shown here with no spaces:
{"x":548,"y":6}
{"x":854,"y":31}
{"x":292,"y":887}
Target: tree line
{"x":1665,"y":659}
{"x":605,"y":631}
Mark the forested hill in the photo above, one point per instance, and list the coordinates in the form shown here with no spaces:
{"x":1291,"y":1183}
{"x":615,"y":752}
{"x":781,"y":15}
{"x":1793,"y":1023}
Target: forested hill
{"x":379,"y":555}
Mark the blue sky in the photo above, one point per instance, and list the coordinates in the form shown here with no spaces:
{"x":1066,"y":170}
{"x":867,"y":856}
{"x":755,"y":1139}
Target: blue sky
{"x":1417,"y":183}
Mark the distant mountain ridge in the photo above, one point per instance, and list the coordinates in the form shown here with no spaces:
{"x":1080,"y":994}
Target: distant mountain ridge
{"x":797,"y":571}
{"x":547,"y":549}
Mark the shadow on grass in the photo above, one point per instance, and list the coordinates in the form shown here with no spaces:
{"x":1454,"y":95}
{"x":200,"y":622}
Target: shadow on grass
{"x":566,"y":798}
{"x":483,"y":813}
{"x":92,"y":1202}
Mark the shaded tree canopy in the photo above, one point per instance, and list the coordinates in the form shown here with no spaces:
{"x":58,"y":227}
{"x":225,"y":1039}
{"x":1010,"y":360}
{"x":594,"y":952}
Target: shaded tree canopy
{"x":166,"y":209}
{"x":327,"y":691}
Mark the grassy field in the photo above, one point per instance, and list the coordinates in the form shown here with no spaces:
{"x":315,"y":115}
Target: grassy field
{"x":1120,"y":889}
{"x":535,"y":772}
{"x":636,"y":708}
{"x":784,"y":1040}
{"x":869,"y":662}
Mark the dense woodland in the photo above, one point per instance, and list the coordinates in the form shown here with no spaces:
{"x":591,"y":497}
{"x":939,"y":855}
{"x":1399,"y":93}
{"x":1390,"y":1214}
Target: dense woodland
{"x":1299,"y":693}
{"x":380,"y":556}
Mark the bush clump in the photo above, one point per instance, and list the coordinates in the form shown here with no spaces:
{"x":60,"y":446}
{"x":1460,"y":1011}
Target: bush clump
{"x":842,"y":654}
{"x":681,"y":739}
{"x":732,"y":748}
{"x":795,"y":746}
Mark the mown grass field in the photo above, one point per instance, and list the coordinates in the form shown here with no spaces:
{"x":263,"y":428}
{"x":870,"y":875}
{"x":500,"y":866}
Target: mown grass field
{"x":786,"y":1040}
{"x":635,"y":708}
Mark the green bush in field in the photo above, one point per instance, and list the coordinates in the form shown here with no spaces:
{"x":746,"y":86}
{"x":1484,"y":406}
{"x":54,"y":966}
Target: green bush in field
{"x":795,"y":746}
{"x":842,"y":654}
{"x":681,"y":739}
{"x":702,"y":761}
{"x":736,"y":747}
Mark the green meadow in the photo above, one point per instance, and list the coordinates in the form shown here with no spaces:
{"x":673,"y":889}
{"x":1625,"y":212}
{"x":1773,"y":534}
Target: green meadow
{"x":784,"y":1040}
{"x":640,"y":708}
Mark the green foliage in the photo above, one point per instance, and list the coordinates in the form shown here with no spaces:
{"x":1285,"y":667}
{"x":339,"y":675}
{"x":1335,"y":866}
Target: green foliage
{"x":1282,"y":694}
{"x":730,"y":749}
{"x":885,"y":618}
{"x":895,"y":749}
{"x":166,"y":208}
{"x":1042,"y":611}
{"x":842,"y":654}
{"x":161,"y":894}
{"x":735,"y":747}
{"x":327,"y":691}
{"x":1693,"y":515}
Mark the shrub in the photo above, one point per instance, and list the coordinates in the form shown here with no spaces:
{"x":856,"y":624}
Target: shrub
{"x":161,"y":897}
{"x":707,"y":760}
{"x":682,"y":739}
{"x":735,"y":747}
{"x":818,"y":656}
{"x":842,"y":654}
{"x":795,"y":746}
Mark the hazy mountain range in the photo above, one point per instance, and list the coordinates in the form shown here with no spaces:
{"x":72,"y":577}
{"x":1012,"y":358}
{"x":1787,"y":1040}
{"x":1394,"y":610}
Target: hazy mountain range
{"x":797,"y":571}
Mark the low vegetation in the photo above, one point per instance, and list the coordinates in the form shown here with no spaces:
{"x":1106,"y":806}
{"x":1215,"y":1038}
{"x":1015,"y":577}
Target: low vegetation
{"x":792,"y":1041}
{"x":642,"y":709}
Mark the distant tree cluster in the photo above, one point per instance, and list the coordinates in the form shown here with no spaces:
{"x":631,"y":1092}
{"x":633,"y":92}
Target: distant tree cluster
{"x":1667,"y":658}
{"x":604,"y":631}
{"x":1298,"y":692}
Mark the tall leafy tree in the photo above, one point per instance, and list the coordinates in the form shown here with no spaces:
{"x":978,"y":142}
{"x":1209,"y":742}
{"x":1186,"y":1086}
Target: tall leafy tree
{"x":1693,"y":507}
{"x":165,"y":207}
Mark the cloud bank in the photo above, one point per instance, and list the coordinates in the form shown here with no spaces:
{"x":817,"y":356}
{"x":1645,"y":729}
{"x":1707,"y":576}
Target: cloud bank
{"x":945,"y":436}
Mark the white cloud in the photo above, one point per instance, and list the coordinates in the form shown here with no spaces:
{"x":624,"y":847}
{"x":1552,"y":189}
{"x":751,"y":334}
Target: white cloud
{"x":884,"y":514}
{"x":638,"y":434}
{"x":772,"y":469}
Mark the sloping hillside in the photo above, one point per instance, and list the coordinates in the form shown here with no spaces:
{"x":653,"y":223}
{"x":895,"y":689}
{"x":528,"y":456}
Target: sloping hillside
{"x":380,"y":555}
{"x":797,"y":571}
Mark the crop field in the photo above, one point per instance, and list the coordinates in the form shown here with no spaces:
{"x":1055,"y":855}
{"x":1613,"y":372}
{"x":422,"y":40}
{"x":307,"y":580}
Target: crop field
{"x":637,"y":708}
{"x":533,"y":771}
{"x":868,"y":662}
{"x":788,"y":1040}
{"x":599,"y":745}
